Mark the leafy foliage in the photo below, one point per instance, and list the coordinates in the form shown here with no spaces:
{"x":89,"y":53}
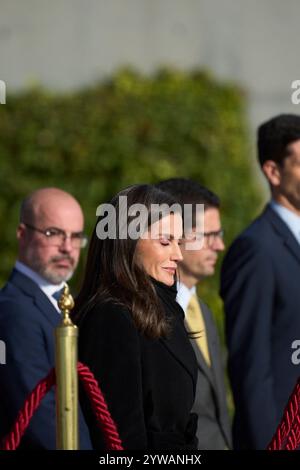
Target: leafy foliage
{"x":128,"y":129}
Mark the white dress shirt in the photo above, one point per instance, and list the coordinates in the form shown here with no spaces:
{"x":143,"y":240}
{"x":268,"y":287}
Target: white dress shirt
{"x":291,"y":219}
{"x":184,"y":295}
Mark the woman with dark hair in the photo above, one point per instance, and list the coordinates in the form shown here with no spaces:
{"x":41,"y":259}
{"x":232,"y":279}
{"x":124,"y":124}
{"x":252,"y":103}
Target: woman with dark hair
{"x":132,"y":334}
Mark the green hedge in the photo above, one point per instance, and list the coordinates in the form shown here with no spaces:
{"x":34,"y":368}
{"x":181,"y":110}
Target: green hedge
{"x":128,"y":129}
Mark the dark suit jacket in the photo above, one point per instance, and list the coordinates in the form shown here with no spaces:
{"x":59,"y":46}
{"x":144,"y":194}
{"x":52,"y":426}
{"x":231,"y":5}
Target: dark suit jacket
{"x":214,"y":430}
{"x":261,"y":291}
{"x":27,"y":322}
{"x":149,"y":385}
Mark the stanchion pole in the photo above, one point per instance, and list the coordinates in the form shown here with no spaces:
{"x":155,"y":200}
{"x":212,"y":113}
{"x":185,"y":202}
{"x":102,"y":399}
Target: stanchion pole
{"x":66,"y":335}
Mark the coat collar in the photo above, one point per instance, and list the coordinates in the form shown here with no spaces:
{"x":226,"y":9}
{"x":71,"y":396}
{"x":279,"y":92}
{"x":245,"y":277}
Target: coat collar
{"x":208,"y":371}
{"x":178,"y":342}
{"x":179,"y":346}
{"x":282,"y":231}
{"x":31,"y":289}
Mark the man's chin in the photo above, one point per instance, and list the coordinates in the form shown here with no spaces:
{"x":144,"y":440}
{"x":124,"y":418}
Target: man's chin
{"x":202,"y":273}
{"x":57,"y":277}
{"x":209,"y":271}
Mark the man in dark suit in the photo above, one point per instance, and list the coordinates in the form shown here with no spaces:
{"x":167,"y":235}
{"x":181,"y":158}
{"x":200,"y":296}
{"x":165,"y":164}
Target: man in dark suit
{"x":50,"y":237}
{"x":260,"y":289}
{"x":210,"y":405}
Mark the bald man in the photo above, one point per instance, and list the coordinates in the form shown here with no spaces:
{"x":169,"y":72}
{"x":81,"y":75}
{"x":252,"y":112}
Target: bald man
{"x":50,"y":237}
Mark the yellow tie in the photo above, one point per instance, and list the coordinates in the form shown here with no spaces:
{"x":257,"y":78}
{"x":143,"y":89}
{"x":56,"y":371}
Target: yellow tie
{"x":195,"y":322}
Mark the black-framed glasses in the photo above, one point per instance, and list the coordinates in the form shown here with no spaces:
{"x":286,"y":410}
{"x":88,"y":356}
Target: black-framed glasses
{"x":211,"y":237}
{"x":56,"y":236}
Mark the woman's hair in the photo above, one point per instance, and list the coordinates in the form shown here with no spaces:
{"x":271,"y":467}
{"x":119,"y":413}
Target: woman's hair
{"x":112,"y":273}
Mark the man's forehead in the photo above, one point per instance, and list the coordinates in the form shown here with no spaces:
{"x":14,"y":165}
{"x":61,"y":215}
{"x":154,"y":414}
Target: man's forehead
{"x":66,"y":217}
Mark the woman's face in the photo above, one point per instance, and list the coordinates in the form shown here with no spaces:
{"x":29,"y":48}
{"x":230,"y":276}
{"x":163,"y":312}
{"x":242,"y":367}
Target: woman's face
{"x":158,"y":250}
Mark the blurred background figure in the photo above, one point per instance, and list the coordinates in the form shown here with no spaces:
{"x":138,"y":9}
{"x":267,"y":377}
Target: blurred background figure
{"x":260,"y":289}
{"x":210,"y":403}
{"x":50,"y":237}
{"x":173,"y":93}
{"x":132,"y":334}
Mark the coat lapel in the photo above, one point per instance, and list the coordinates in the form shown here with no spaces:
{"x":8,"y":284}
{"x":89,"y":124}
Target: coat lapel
{"x":216,"y":373}
{"x":283,"y":231}
{"x":30,"y":288}
{"x":208,"y":371}
{"x":179,"y":346}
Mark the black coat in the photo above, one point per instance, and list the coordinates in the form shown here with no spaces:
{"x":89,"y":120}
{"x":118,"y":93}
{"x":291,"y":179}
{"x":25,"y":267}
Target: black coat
{"x":149,"y":385}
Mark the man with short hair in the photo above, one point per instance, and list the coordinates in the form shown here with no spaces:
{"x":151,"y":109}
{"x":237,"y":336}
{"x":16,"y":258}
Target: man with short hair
{"x":213,"y":430}
{"x":260,"y":289}
{"x":50,"y":237}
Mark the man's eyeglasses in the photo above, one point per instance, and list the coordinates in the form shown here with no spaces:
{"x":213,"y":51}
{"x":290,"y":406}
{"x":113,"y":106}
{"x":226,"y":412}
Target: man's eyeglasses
{"x":209,"y":237}
{"x":56,"y":236}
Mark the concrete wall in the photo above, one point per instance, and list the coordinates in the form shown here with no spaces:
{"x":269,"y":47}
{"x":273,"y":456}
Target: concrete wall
{"x":64,"y":44}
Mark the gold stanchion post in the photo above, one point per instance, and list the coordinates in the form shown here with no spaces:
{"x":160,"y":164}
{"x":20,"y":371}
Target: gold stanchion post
{"x":66,"y":336}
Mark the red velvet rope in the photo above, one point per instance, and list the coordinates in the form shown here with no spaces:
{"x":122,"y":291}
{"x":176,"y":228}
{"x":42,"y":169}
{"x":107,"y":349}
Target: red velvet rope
{"x":12,"y":440}
{"x":287,"y":435}
{"x":104,"y":420}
